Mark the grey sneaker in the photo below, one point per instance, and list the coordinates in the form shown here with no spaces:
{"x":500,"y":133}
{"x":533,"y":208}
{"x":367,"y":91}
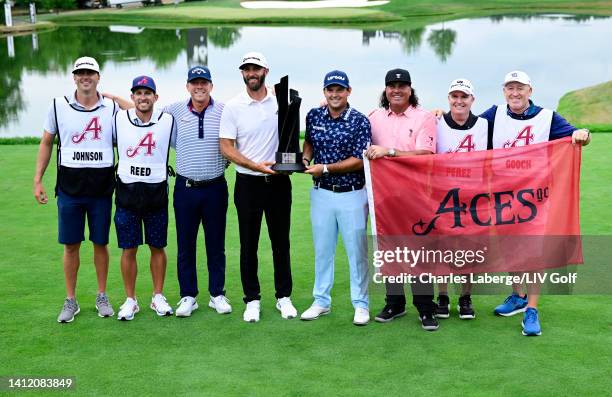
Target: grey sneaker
{"x":103,"y":305}
{"x":71,"y":308}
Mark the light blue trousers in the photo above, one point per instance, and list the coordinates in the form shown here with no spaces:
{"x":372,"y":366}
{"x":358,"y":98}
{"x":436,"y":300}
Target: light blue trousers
{"x":348,"y":213}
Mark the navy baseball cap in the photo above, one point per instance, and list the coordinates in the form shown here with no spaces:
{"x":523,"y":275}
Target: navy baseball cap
{"x":336,"y":77}
{"x":199,"y":72}
{"x":143,"y":82}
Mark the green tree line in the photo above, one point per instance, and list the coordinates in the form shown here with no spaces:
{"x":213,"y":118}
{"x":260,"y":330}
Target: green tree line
{"x":58,"y":49}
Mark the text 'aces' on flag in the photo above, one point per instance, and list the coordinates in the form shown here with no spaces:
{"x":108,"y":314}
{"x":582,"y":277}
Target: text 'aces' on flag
{"x":501,"y":210}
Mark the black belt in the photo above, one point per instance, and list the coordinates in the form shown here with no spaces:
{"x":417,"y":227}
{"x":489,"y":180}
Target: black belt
{"x":192,"y":183}
{"x":337,"y":188}
{"x":262,"y":178}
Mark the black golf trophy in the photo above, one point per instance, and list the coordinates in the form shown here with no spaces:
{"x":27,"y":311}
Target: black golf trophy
{"x":288,"y":156}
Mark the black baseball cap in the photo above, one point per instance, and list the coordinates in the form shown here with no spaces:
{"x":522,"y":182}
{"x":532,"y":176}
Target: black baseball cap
{"x":397,"y":76}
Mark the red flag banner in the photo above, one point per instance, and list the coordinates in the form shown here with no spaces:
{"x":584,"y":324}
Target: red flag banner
{"x":514,"y":209}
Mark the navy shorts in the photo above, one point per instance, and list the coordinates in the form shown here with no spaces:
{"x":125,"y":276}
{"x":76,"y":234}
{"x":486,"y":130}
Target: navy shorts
{"x":72,"y":211}
{"x":129,"y":228}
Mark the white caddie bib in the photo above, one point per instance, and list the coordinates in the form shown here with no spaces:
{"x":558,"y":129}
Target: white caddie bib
{"x":509,"y":132}
{"x":451,"y":140}
{"x":457,"y":143}
{"x":143,"y":150}
{"x":85,"y":136}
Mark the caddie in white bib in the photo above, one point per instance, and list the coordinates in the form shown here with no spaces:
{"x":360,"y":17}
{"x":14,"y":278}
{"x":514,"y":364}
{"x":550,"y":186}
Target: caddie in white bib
{"x":143,"y":151}
{"x":512,"y":132}
{"x":85,"y":155}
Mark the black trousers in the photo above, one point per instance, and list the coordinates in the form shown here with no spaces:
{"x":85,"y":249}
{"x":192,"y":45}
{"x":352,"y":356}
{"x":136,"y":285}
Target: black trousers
{"x":255,"y":196}
{"x":422,"y":296}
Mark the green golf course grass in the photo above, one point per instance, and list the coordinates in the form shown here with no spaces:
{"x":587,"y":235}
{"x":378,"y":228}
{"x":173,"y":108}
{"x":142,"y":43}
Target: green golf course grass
{"x":220,"y":355}
{"x":589,"y":107}
{"x":413,"y":13}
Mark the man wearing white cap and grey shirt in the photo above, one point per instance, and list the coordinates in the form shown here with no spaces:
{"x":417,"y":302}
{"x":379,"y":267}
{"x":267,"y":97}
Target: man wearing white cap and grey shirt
{"x":460,"y":131}
{"x":249,"y":138}
{"x":82,"y":123}
{"x":518,"y":123}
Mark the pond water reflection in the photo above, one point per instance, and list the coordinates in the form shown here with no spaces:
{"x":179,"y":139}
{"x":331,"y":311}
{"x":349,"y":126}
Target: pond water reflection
{"x":560,"y":53}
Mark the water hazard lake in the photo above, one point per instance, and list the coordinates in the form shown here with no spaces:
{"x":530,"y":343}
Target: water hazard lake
{"x":560,"y":53}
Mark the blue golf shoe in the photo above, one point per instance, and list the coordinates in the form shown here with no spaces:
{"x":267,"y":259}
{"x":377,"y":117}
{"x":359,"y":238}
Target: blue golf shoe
{"x":531,"y":323}
{"x":512,"y":305}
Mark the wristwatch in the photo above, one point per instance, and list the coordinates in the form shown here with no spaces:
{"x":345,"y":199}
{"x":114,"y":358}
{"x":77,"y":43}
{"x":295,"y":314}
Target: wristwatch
{"x":391,"y":152}
{"x":325,"y":170}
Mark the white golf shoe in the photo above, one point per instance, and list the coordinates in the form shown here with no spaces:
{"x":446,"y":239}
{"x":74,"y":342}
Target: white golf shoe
{"x":286,"y":308}
{"x":220,"y":304}
{"x":128,"y":310}
{"x":315,"y":311}
{"x":251,"y":313}
{"x":186,"y":306}
{"x":160,"y":305}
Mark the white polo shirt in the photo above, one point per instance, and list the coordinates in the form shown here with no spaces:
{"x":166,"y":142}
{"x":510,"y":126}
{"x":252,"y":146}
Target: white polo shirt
{"x":254,"y":126}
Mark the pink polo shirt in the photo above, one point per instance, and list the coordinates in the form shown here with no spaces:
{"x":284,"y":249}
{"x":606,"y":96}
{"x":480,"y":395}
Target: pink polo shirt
{"x":414,"y":129}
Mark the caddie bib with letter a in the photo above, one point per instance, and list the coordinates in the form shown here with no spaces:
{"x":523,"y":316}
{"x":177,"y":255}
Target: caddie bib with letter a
{"x":509,"y":132}
{"x":143,"y":162}
{"x":85,"y":155}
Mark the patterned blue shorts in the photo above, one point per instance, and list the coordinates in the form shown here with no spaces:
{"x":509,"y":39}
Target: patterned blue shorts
{"x":129,"y":228}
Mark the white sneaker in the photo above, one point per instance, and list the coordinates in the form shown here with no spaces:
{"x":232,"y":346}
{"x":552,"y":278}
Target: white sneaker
{"x":128,"y":310}
{"x":160,"y":305}
{"x":362,"y":316}
{"x":251,"y":313}
{"x":220,"y":304}
{"x":185,"y":306}
{"x":314,"y":312}
{"x":286,"y":308}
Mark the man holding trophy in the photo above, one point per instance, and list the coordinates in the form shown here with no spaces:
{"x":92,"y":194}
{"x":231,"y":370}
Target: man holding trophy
{"x":336,"y":137}
{"x":249,"y":137}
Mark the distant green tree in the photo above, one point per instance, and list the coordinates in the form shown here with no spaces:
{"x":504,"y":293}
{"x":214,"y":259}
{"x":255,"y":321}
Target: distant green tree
{"x":54,"y":4}
{"x":58,"y":49}
{"x":412,"y":39}
{"x":223,"y":37}
{"x":442,"y":41}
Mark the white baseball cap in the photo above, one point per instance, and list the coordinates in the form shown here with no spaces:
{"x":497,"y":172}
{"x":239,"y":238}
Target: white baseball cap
{"x":463,"y":85}
{"x":86,"y":63}
{"x":254,"y":58}
{"x":517,"y":76}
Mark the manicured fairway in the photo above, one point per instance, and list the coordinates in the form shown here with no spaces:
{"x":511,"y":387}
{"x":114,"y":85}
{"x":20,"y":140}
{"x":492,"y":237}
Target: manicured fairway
{"x":215,"y":355}
{"x":413,"y":13}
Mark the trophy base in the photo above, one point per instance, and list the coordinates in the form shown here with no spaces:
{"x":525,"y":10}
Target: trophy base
{"x":288,"y":162}
{"x":288,"y":167}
